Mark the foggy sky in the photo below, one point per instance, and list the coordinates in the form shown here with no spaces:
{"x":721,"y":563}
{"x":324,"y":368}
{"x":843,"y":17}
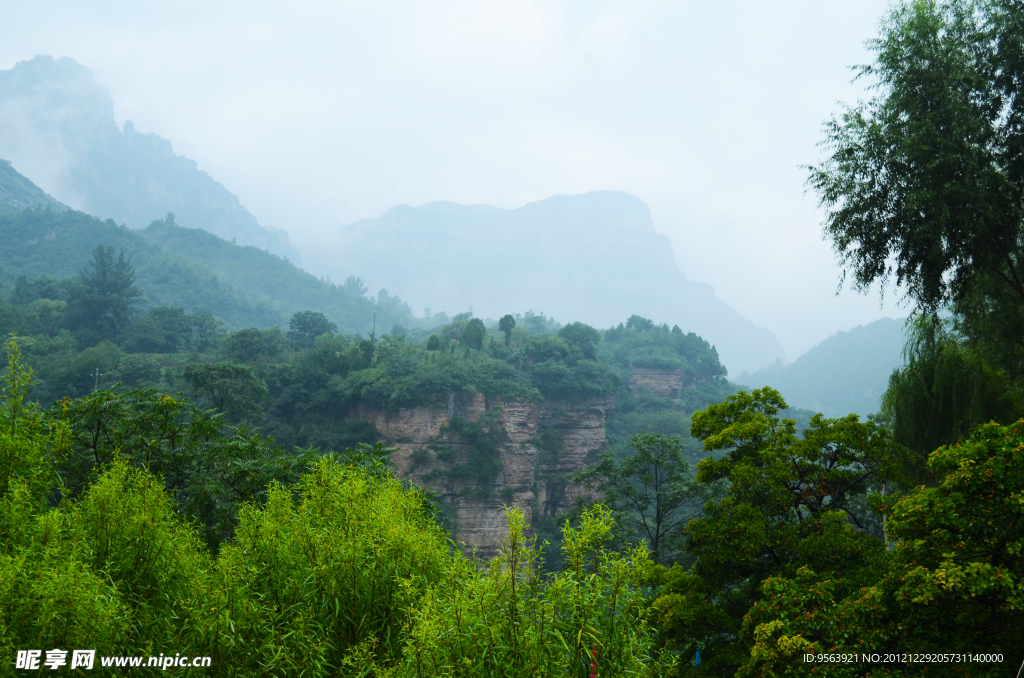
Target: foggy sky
{"x":319,"y":113}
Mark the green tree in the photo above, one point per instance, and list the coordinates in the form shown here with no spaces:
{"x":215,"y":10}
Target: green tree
{"x":923,"y":186}
{"x":164,"y":329}
{"x":207,"y":333}
{"x":954,"y":576}
{"x":107,"y":298}
{"x":136,"y":370}
{"x":510,"y":620}
{"x":355,"y":286}
{"x":923,"y":183}
{"x":247,"y":346}
{"x":639,"y":323}
{"x":944,"y":388}
{"x":305,"y":326}
{"x":792,"y":503}
{"x":434,"y":343}
{"x":473,"y":334}
{"x":505,"y":326}
{"x":583,"y":337}
{"x":650,"y":490}
{"x":208,"y":468}
{"x":230,"y":387}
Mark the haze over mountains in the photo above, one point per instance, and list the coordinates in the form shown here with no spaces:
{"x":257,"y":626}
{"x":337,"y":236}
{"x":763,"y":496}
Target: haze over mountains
{"x":17,"y":193}
{"x":247,"y":287}
{"x":57,"y":126}
{"x":595,"y":258}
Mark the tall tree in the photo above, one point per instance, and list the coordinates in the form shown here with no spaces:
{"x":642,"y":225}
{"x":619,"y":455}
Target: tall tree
{"x":924,"y":187}
{"x":925,"y":181}
{"x":952,"y":577}
{"x":583,"y":337}
{"x":792,"y":502}
{"x":230,"y":387}
{"x":305,"y":326}
{"x":247,"y":346}
{"x":944,"y":388}
{"x":473,"y":334}
{"x":650,"y":490}
{"x":505,"y":326}
{"x":107,"y":298}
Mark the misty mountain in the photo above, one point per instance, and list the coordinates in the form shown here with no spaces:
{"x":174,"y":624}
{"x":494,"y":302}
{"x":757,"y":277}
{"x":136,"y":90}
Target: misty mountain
{"x":244,"y":286}
{"x":57,"y":126}
{"x":848,"y":372}
{"x":18,"y":193}
{"x":594,"y":258}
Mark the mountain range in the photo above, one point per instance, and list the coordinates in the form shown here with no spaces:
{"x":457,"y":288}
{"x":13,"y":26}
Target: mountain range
{"x":594,"y":258}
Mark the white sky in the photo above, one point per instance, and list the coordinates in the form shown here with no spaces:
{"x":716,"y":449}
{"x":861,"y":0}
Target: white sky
{"x":318,"y":113}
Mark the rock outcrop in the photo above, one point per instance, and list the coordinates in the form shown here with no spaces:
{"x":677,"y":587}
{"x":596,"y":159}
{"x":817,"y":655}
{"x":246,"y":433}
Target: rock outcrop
{"x":539,"y":447}
{"x":660,"y":383}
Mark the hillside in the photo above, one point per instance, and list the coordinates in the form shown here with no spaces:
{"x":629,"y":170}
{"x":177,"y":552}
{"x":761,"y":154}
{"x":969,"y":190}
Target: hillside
{"x":57,"y":126}
{"x":175,"y":266}
{"x":594,"y":258}
{"x":848,"y":372}
{"x":17,"y":193}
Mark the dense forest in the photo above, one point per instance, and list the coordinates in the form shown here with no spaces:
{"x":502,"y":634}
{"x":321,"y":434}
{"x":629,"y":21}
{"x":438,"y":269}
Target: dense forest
{"x":195,"y":455}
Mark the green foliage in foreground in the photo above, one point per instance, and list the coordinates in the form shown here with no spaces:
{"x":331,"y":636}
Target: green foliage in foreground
{"x":209,"y":469}
{"x":954,"y":578}
{"x":793,"y":560}
{"x":344,"y":573}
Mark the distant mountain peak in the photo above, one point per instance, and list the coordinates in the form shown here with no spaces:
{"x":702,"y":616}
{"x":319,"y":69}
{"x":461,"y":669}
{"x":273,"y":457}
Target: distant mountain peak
{"x":57,"y":125}
{"x":594,"y":257}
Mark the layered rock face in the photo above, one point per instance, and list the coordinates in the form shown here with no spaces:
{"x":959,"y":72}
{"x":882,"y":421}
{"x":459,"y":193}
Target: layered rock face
{"x":658,"y":382}
{"x":433,"y":453}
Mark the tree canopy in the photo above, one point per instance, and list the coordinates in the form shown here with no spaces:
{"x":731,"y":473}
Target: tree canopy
{"x":923,"y":186}
{"x":106,"y":300}
{"x":791,"y":502}
{"x":924,"y":181}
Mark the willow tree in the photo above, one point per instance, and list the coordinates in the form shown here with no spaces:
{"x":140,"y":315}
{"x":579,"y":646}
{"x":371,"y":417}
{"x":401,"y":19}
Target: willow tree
{"x":923,"y":185}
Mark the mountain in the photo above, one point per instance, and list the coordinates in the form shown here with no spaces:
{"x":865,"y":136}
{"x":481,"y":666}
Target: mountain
{"x":848,"y":372}
{"x":18,"y":193}
{"x":57,"y":125}
{"x":594,"y":258}
{"x":243,"y":286}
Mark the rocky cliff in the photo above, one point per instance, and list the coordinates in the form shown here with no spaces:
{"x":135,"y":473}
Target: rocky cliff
{"x":660,"y":383}
{"x":537,"y":448}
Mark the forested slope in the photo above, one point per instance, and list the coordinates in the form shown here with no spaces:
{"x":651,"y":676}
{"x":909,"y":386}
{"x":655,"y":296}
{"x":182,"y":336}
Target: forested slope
{"x":17,"y":193}
{"x":275,"y":282}
{"x":238,"y":291}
